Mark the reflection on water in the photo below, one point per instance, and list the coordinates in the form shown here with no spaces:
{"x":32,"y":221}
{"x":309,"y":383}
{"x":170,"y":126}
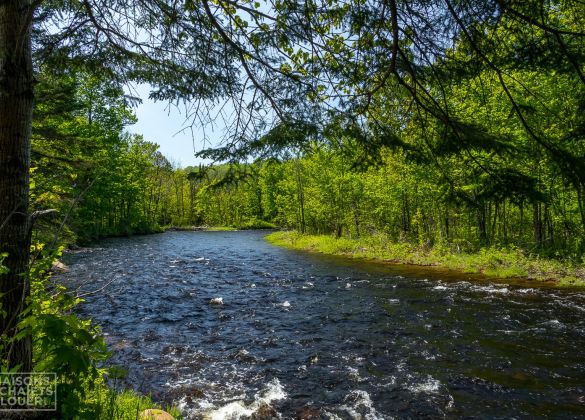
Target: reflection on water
{"x":307,"y":336}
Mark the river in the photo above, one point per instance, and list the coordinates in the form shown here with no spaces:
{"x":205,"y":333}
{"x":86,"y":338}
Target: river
{"x":303,"y":335}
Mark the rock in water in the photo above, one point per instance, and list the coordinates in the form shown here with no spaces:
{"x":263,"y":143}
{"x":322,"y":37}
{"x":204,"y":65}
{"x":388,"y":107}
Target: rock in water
{"x":59,"y":267}
{"x":155,"y":414}
{"x":216,"y":301}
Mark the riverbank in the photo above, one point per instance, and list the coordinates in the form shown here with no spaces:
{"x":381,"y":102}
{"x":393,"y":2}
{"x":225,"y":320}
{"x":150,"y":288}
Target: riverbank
{"x":248,"y":225}
{"x":491,"y":262}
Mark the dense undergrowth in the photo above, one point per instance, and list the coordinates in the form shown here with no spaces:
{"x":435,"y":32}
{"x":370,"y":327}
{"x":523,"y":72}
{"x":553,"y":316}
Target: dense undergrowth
{"x":491,"y":261}
{"x":74,"y":349}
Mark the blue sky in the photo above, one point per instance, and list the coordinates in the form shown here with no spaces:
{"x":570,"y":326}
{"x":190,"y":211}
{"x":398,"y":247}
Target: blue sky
{"x":163,"y":124}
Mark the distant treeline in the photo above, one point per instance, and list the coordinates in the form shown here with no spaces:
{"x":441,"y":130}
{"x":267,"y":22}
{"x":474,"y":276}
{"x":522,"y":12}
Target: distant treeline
{"x":493,"y":188}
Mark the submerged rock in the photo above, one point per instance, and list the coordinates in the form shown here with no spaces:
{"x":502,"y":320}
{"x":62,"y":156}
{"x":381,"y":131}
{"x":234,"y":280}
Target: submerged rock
{"x":309,"y":413}
{"x":264,"y":412}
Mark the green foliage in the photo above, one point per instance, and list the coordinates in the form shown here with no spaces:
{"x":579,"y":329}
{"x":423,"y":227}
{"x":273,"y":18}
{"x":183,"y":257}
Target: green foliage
{"x":3,"y":269}
{"x":100,"y":180}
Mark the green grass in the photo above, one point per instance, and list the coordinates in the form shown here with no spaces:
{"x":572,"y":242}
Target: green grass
{"x":105,"y":403}
{"x":491,"y":262}
{"x":203,"y":228}
{"x":256,"y":224}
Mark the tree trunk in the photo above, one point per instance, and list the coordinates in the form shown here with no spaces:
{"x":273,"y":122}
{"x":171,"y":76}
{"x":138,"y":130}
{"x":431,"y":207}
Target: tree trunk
{"x":581,"y":203}
{"x":356,"y":218}
{"x":405,"y":212}
{"x":548,"y":222}
{"x":300,"y":194}
{"x":16,"y":104}
{"x":481,"y":223}
{"x":191,"y":201}
{"x":537,"y":224}
{"x":447,"y":227}
{"x":494,"y":232}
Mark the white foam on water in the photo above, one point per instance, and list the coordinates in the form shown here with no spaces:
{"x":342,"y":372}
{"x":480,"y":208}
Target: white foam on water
{"x":354,"y":374}
{"x":331,"y":416}
{"x":394,"y":301}
{"x":439,"y":287}
{"x":571,"y":305}
{"x":189,"y":411}
{"x":492,"y":289}
{"x":450,"y":404}
{"x":555,"y":323}
{"x":273,"y":391}
{"x":347,"y":285}
{"x":285,"y":304}
{"x":391,"y":382}
{"x":428,"y":355}
{"x":429,"y":386}
{"x":216,"y":301}
{"x":233,"y":410}
{"x":509,"y":332}
{"x":359,"y":406}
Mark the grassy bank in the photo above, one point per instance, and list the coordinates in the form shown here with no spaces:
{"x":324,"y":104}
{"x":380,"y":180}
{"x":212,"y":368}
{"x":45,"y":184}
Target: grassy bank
{"x":105,"y":403}
{"x":492,"y":262}
{"x":247,"y":225}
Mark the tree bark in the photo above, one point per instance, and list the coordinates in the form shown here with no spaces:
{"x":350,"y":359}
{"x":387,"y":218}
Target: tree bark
{"x":537,"y":224}
{"x":300,"y":194}
{"x":16,"y":105}
{"x":481,"y":223}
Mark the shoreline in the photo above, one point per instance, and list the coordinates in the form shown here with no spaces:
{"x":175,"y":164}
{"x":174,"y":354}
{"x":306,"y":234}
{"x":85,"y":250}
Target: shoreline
{"x":73,"y":246}
{"x":487,"y":263}
{"x":251,"y":226}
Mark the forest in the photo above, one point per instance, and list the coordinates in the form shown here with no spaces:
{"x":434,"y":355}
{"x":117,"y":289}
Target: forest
{"x":421,"y":127}
{"x":504,"y":191}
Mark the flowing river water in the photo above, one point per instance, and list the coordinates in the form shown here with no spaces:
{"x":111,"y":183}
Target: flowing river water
{"x":308,"y":336}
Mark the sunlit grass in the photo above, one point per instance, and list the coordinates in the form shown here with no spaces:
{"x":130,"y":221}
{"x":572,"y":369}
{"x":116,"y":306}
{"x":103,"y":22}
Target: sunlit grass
{"x":250,"y":224}
{"x":489,"y":261}
{"x":105,"y":403}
